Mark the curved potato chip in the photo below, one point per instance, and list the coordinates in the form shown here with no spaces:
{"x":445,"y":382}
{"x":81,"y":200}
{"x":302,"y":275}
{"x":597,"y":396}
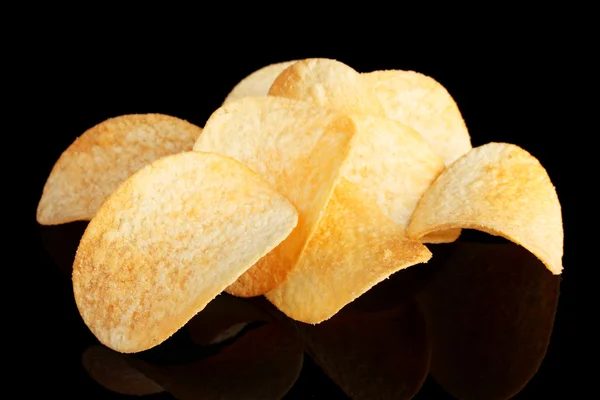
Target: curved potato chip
{"x":112,"y":371}
{"x":328,"y":83}
{"x":500,"y":189}
{"x":104,"y":156}
{"x":258,"y":82}
{"x":395,"y":166}
{"x":354,"y":247}
{"x":299,"y":149}
{"x":490,"y":314}
{"x":446,"y":236}
{"x":167,"y":241}
{"x":422,"y":103}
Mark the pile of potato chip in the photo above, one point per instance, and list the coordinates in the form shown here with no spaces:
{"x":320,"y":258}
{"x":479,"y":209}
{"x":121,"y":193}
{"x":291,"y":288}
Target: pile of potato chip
{"x":309,"y":185}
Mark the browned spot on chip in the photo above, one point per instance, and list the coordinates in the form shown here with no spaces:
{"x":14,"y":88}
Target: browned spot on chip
{"x":354,"y":247}
{"x":490,"y":313}
{"x":98,"y":161}
{"x":299,"y":149}
{"x":425,"y":105}
{"x":258,"y":82}
{"x":372,"y":356}
{"x":328,"y":83}
{"x":111,"y":370}
{"x":500,"y":189}
{"x":168,"y":240}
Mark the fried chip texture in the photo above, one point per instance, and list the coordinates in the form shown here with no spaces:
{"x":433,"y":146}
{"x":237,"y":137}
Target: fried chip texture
{"x":500,"y":189}
{"x":169,"y":240}
{"x":328,"y":83}
{"x":424,"y":104}
{"x":258,"y":82}
{"x":354,"y":247}
{"x":104,"y":156}
{"x":395,"y":165}
{"x":299,"y":149}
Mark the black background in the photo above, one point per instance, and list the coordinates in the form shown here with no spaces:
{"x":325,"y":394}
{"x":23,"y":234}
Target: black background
{"x":505,"y":85}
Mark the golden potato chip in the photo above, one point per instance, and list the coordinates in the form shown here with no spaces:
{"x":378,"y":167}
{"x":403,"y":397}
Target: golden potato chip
{"x":500,"y":189}
{"x":425,"y":105}
{"x":168,"y":240}
{"x":112,"y":371}
{"x":447,"y":236}
{"x":258,"y":82}
{"x":490,"y":314}
{"x":104,"y":156}
{"x":328,"y":83}
{"x":263,"y":364}
{"x":382,"y":355}
{"x":395,"y":166}
{"x":299,"y":149}
{"x":354,"y":247}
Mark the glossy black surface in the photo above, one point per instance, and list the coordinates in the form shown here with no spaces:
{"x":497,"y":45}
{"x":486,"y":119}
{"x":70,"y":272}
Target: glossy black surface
{"x":503,"y":93}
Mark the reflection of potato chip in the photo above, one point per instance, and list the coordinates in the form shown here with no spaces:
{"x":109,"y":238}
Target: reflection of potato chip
{"x":500,"y":189}
{"x":170,"y":239}
{"x":258,"y":82}
{"x":224,"y":316}
{"x":422,"y":103}
{"x":354,"y":247}
{"x":328,"y":83}
{"x":490,"y":313}
{"x":381,"y":355}
{"x":110,"y":370}
{"x":228,"y":333}
{"x":395,"y":166}
{"x":261,"y":365}
{"x":98,"y":161}
{"x":295,"y":146}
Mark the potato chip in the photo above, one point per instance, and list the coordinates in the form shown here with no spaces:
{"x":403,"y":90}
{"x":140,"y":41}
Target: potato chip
{"x":425,"y":105}
{"x":447,"y":236}
{"x":112,"y":371}
{"x":98,"y":161}
{"x":299,"y":149}
{"x":258,"y":82}
{"x":354,"y":247}
{"x":167,"y":241}
{"x":401,"y":287}
{"x":490,"y":314}
{"x":328,"y":83}
{"x":381,"y":355}
{"x":500,"y":189}
{"x":395,"y":166}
